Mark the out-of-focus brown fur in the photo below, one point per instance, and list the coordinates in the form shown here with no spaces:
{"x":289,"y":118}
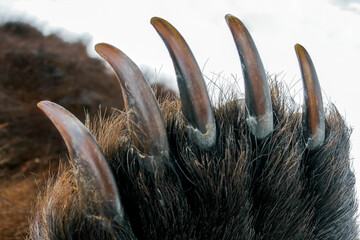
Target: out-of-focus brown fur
{"x":35,"y":67}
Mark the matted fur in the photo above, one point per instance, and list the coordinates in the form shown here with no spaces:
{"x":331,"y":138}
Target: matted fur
{"x":241,"y":188}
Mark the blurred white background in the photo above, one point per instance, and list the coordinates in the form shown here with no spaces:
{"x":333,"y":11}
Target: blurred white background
{"x":328,"y":29}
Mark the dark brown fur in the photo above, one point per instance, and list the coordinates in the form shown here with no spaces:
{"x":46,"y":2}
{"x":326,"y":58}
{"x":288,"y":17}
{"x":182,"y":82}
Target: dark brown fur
{"x":241,"y":189}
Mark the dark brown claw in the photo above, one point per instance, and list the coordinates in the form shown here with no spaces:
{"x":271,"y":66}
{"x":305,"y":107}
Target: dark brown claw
{"x":93,"y":169}
{"x":195,"y":100}
{"x":257,"y":92}
{"x":314,"y":118}
{"x":147,"y":125}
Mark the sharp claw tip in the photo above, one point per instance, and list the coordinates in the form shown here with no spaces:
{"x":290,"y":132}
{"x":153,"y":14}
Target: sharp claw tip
{"x":233,"y":21}
{"x":229,"y":16}
{"x":99,"y":47}
{"x":154,"y":20}
{"x":299,"y":48}
{"x":39,"y":104}
{"x":106,"y":50}
{"x":43,"y":104}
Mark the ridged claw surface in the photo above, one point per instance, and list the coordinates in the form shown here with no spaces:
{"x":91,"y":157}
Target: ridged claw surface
{"x":147,"y":125}
{"x":257,"y":92}
{"x":314,"y":118}
{"x":93,"y":169}
{"x":258,"y":181}
{"x":195,"y":100}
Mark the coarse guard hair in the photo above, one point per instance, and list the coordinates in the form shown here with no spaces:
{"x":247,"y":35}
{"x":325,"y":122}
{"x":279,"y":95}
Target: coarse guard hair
{"x":253,"y":168}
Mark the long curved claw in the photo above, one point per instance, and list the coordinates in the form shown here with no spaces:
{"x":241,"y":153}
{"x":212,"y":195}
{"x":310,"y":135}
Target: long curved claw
{"x":93,"y":170}
{"x":314,"y":119}
{"x":195,"y":100}
{"x":147,"y":125}
{"x":257,"y":92}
